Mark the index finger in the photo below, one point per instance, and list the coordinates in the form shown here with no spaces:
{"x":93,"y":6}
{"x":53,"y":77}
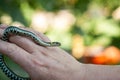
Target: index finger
{"x":41,"y":35}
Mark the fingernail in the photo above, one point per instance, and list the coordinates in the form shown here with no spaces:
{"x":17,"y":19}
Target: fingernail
{"x":3,"y":26}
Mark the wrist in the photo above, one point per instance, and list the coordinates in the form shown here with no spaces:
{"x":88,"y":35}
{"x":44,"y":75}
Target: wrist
{"x":100,"y":72}
{"x":79,"y":73}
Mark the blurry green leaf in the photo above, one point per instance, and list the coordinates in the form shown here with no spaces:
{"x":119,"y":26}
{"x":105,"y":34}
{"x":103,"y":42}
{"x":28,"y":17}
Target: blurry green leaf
{"x":107,"y":27}
{"x":12,"y":7}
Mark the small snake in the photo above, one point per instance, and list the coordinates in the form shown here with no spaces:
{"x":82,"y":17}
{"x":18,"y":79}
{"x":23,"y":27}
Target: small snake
{"x":12,"y":30}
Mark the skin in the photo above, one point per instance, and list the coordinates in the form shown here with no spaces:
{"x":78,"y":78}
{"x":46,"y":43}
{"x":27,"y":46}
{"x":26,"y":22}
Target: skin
{"x":52,"y":63}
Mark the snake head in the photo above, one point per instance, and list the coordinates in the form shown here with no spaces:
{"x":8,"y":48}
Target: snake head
{"x":55,"y":44}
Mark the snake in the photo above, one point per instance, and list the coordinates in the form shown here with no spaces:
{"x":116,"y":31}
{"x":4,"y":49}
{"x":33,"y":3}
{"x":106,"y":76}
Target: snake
{"x":13,"y":30}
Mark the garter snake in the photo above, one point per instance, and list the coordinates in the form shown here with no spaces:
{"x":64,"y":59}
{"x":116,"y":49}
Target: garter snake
{"x":12,"y":30}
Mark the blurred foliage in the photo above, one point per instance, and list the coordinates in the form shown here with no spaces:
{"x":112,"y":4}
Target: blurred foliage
{"x":95,"y":21}
{"x":94,"y":17}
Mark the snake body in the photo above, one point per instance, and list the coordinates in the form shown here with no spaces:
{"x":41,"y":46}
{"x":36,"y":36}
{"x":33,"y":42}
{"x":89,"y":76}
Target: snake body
{"x":12,"y":30}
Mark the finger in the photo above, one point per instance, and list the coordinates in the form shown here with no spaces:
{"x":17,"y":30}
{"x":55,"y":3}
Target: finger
{"x":15,"y":53}
{"x":41,"y":35}
{"x":24,"y":43}
{"x":3,"y":26}
{"x":1,"y":32}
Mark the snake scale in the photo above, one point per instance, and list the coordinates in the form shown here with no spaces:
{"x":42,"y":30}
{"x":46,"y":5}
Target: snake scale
{"x":12,"y":30}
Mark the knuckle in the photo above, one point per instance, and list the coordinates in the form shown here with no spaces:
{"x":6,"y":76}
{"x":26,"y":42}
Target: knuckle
{"x":11,"y":48}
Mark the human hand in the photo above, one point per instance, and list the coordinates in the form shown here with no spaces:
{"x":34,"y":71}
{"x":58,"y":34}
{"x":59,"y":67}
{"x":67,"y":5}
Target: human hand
{"x":41,"y":63}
